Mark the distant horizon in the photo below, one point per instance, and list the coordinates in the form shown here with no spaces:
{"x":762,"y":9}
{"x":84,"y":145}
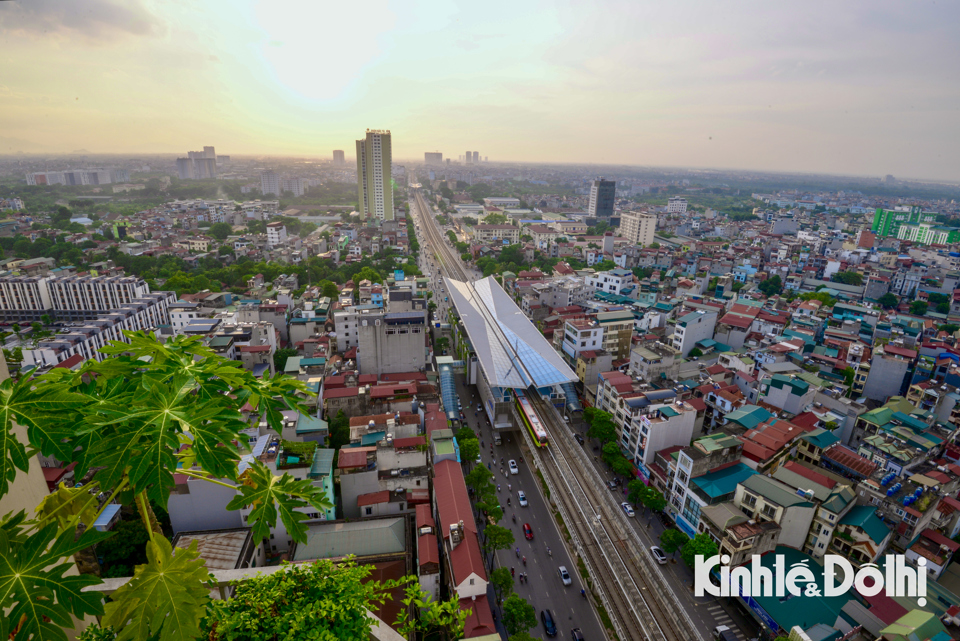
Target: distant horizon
{"x":351,"y":161}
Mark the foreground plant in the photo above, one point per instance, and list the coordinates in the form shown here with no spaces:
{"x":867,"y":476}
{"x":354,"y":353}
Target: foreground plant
{"x":129,"y":422}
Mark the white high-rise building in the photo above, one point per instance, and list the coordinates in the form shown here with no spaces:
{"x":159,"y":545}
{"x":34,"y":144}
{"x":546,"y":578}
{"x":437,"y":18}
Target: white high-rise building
{"x":374,"y":171}
{"x":296,"y":185}
{"x":638,"y":227}
{"x":677,"y":205}
{"x":269,"y":183}
{"x":276,"y":234}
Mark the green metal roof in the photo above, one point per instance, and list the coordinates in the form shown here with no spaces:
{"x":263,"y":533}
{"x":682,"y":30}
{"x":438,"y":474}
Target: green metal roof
{"x":310,"y":424}
{"x":322,"y":462}
{"x":865,"y":517}
{"x":721,"y":482}
{"x":820,"y":438}
{"x":293,"y":364}
{"x":749,"y":416}
{"x":797,"y":386}
{"x":775,"y":491}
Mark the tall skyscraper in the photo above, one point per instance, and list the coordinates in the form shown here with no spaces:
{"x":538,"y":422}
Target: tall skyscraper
{"x":269,"y":183}
{"x":602,"y":195}
{"x":208,"y":152}
{"x":196,"y":166}
{"x":338,"y":157}
{"x":374,"y":171}
{"x":476,"y":158}
{"x":468,"y":158}
{"x":432,"y":158}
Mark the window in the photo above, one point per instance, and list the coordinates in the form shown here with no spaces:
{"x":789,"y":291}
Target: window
{"x":769,"y":511}
{"x":368,"y":510}
{"x":749,"y":499}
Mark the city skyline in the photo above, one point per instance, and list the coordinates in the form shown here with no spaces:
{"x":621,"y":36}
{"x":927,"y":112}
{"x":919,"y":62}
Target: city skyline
{"x":871,"y":91}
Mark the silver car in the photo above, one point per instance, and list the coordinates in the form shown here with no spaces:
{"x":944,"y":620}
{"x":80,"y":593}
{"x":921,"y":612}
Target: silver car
{"x":522,"y":498}
{"x":564,"y":575}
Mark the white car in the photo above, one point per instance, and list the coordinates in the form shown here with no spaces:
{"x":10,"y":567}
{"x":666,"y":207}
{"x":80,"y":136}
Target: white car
{"x":658,"y":554}
{"x":513,"y":467}
{"x":565,"y":576}
{"x":627,"y":509}
{"x":479,"y":460}
{"x":522,"y":498}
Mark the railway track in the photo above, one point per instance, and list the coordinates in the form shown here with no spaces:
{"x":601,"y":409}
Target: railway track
{"x":449,"y":262}
{"x":631,"y":588}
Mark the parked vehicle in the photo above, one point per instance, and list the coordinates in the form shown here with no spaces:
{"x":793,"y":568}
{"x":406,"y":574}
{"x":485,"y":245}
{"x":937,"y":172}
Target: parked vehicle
{"x":658,"y":554}
{"x":627,"y":509}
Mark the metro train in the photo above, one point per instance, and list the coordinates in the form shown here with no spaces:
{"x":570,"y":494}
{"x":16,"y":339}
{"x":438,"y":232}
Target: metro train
{"x":530,"y":420}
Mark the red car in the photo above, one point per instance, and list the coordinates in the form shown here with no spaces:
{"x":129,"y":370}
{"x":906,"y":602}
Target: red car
{"x":527,"y":532}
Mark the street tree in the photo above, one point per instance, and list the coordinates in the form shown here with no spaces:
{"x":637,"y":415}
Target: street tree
{"x":637,"y":491}
{"x":497,"y":537}
{"x":478,"y":478}
{"x":502,"y":582}
{"x":518,"y":615}
{"x":654,"y":500}
{"x":700,"y":545}
{"x":672,"y":540}
{"x":469,"y":450}
{"x":888,"y":301}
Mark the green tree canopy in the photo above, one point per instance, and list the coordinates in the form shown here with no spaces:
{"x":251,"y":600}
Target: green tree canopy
{"x":495,"y":219}
{"x":497,"y":537}
{"x":280,"y":358}
{"x":918,"y":307}
{"x":672,"y":540}
{"x":220,"y":231}
{"x":699,"y":545}
{"x":518,"y":615}
{"x":848,"y":278}
{"x":771,"y":286}
{"x":888,"y":301}
{"x":339,"y":430}
{"x":696,"y":352}
{"x":601,"y":424}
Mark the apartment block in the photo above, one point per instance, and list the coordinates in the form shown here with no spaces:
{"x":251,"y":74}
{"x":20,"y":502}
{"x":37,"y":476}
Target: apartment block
{"x":581,"y":335}
{"x":84,"y":339}
{"x":501,"y":234}
{"x":616,"y":281}
{"x":384,"y":479}
{"x":888,"y":371}
{"x":392,"y":342}
{"x":638,"y":227}
{"x":693,"y":328}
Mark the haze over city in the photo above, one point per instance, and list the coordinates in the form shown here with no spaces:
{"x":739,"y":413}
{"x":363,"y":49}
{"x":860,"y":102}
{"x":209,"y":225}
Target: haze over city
{"x":853,"y":88}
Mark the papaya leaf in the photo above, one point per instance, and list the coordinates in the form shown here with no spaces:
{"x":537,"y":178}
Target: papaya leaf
{"x":67,"y":502}
{"x":33,"y":589}
{"x":268,"y":494}
{"x":167,"y":596}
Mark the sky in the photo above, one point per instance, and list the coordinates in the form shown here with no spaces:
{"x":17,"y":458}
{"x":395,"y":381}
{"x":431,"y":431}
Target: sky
{"x":859,"y":88}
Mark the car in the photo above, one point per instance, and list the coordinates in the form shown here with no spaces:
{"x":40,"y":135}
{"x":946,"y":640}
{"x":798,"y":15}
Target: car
{"x":579,"y":438}
{"x":627,"y":509}
{"x":479,"y":460}
{"x":549,"y":626}
{"x":522,"y":498}
{"x":724,"y":633}
{"x":576,"y":634}
{"x":612,"y":485}
{"x":564,"y":575}
{"x":513,"y":467}
{"x":658,"y":554}
{"x":527,"y":532}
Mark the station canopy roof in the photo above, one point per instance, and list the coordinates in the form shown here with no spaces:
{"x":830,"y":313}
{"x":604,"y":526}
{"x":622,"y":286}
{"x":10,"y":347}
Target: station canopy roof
{"x":511,"y":350}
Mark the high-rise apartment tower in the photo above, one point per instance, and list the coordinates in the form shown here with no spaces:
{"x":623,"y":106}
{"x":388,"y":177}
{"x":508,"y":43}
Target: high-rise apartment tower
{"x":374,"y":169}
{"x":602,"y":196}
{"x":338,"y":157}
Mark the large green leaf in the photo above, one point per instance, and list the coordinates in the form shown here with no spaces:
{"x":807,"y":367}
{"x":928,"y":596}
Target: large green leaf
{"x":65,"y":503}
{"x":166,"y":596}
{"x":33,"y":588}
{"x":46,"y":407}
{"x":268,"y":494}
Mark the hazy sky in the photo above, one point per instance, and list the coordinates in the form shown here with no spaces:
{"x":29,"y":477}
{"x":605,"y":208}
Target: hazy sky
{"x":844,"y":87}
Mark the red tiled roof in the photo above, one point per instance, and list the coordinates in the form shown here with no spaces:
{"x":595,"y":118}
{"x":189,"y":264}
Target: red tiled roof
{"x":254,"y":348}
{"x":403,"y":377}
{"x":717,"y":369}
{"x":373,"y":498}
{"x":410,"y":441}
{"x":383,"y":391}
{"x":352,"y":457}
{"x":697,"y":404}
{"x":71,"y":362}
{"x":466,"y":559}
{"x":344,"y":392}
{"x":810,"y":475}
{"x":940,"y":539}
{"x":900,"y":351}
{"x":418,"y":497}
{"x":479,"y":623}
{"x":850,"y":459}
{"x":453,"y":503}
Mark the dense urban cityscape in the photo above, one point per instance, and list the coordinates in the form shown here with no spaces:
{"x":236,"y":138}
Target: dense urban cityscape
{"x":618,"y":321}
